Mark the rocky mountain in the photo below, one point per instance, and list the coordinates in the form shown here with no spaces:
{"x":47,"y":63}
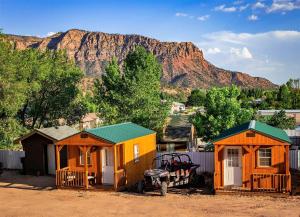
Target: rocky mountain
{"x":183,"y":63}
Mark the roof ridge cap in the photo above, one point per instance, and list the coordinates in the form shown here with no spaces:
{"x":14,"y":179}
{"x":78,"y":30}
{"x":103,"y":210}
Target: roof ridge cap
{"x":110,"y":125}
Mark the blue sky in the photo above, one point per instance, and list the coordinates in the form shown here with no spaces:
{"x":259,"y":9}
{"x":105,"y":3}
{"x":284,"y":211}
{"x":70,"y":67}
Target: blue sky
{"x":259,"y":37}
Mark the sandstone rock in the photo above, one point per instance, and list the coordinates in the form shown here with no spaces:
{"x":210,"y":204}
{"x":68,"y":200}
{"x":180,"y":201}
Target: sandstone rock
{"x":183,"y":63}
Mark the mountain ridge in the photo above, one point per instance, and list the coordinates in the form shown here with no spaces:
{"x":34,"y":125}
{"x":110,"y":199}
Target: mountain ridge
{"x":183,"y":62}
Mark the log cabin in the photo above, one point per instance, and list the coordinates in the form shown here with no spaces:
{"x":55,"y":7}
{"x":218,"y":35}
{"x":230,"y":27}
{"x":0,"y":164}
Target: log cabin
{"x":252,"y":157}
{"x":109,"y":157}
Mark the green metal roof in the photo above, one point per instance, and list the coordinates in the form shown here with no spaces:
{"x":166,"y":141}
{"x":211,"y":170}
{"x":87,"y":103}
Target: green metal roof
{"x":258,"y":127}
{"x":120,"y":132}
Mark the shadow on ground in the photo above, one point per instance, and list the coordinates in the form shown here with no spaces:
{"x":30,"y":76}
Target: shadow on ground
{"x":13,"y":179}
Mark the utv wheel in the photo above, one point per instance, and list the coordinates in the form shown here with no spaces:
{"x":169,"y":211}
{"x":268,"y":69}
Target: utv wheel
{"x":164,"y":188}
{"x":140,"y":187}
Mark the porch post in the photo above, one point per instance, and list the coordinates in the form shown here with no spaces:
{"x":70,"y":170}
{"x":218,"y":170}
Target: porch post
{"x":252,"y":160}
{"x":216,"y":178}
{"x":57,"y":157}
{"x":115,"y":169}
{"x":287,"y":167}
{"x":86,"y":181}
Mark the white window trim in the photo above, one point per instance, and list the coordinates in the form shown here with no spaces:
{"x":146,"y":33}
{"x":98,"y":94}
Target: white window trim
{"x":136,"y":153}
{"x":258,"y":158}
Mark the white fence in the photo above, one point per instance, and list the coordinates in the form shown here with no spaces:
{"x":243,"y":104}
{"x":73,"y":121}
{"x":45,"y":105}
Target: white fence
{"x":11,"y":159}
{"x":295,"y":159}
{"x":204,"y":159}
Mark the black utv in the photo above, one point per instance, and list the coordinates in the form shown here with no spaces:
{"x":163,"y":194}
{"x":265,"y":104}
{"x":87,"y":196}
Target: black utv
{"x":174,"y":169}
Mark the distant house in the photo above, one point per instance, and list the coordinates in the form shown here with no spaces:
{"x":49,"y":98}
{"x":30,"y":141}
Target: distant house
{"x":90,"y":120}
{"x":40,"y":151}
{"x":177,"y":107}
{"x":106,"y":157}
{"x":252,"y":157}
{"x":178,"y":134}
{"x":294,"y":136}
{"x":295,"y":113}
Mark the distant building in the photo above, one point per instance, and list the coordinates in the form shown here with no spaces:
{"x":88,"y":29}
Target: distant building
{"x":90,"y":120}
{"x":177,"y":107}
{"x":178,"y":135}
{"x":294,"y":136}
{"x":295,"y":113}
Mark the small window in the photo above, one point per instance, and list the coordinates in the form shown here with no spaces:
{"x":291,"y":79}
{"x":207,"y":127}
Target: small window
{"x":264,"y":157}
{"x":81,"y":157}
{"x":136,"y":152}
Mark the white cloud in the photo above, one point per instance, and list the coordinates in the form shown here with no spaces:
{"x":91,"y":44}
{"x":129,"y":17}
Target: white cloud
{"x":283,"y":5}
{"x":253,"y":17}
{"x":243,"y":53}
{"x":223,"y":8}
{"x":258,"y":5}
{"x":274,"y":55}
{"x":179,"y":14}
{"x":50,"y":34}
{"x":243,"y":7}
{"x":214,"y":50}
{"x":238,"y":2}
{"x":203,"y":18}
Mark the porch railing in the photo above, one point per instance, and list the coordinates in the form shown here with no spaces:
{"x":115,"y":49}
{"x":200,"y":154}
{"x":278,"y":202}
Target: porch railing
{"x":70,"y":178}
{"x":270,"y":182}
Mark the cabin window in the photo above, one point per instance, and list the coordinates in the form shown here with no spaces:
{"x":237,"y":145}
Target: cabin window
{"x":264,"y":157}
{"x":119,"y":150}
{"x":81,"y":157}
{"x":136,"y":152}
{"x":232,"y":157}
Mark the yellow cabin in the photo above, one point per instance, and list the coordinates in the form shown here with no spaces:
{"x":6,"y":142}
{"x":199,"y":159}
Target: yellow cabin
{"x":109,"y":157}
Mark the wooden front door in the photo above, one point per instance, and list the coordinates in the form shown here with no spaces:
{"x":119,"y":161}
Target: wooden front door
{"x":107,"y":154}
{"x":232,"y":166}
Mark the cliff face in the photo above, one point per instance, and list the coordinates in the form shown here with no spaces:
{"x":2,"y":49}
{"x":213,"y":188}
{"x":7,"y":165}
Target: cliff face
{"x":183,"y":63}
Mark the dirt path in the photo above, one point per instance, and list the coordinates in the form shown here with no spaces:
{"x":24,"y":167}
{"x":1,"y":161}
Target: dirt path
{"x":21,"y":202}
{"x":31,"y":196}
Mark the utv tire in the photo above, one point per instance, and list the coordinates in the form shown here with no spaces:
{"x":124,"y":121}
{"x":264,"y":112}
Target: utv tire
{"x":140,"y":187}
{"x":164,"y":189}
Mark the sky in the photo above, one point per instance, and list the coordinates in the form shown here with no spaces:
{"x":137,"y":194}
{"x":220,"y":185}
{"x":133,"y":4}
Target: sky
{"x":258,"y":37}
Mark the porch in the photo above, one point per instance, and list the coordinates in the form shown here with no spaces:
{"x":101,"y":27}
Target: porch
{"x":262,"y":183}
{"x":91,"y":167}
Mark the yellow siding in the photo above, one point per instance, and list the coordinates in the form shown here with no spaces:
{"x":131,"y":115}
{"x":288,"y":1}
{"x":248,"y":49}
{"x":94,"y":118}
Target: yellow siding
{"x":147,"y":149}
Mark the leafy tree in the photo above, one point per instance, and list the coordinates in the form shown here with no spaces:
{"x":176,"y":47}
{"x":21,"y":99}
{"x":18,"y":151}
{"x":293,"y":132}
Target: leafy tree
{"x":53,"y":81}
{"x":133,"y":93}
{"x":284,"y":97}
{"x":280,"y":120}
{"x":12,"y":93}
{"x":197,"y":98}
{"x":223,"y":111}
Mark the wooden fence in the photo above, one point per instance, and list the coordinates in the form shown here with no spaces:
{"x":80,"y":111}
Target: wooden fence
{"x":11,"y":159}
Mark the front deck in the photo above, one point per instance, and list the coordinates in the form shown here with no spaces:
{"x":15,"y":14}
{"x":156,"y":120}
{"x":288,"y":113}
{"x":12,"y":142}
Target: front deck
{"x":76,"y":179}
{"x":262,"y":183}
